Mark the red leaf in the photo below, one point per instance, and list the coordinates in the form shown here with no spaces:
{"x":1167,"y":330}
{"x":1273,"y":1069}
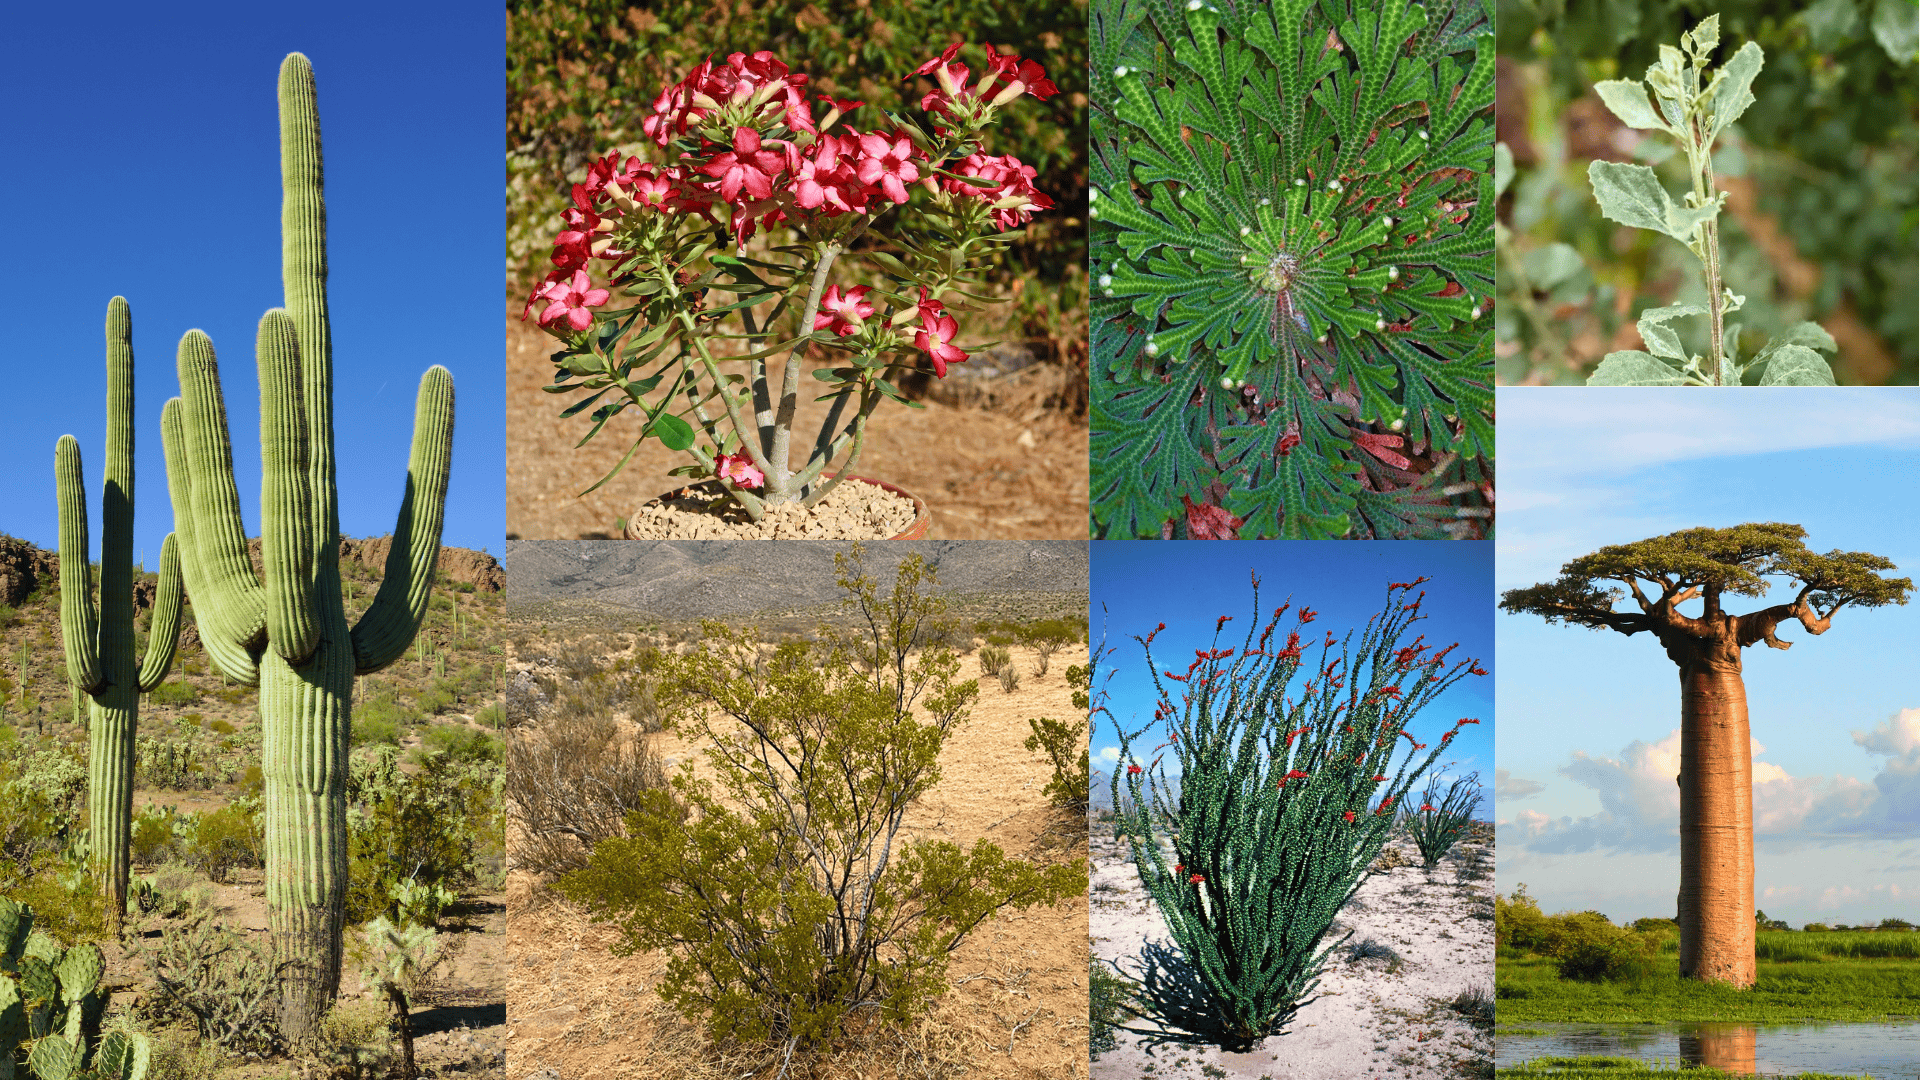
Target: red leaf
{"x":1206,"y":522}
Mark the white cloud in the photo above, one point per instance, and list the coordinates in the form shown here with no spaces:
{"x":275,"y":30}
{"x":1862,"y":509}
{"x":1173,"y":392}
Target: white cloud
{"x":1508,"y":786}
{"x":1107,"y":755}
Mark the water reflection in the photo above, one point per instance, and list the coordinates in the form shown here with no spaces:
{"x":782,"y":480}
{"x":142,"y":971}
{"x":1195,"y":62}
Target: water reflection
{"x":1889,"y":1051}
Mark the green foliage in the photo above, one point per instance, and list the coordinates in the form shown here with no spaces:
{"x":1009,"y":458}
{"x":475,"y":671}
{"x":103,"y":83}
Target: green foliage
{"x":228,"y":839}
{"x":1530,"y":989}
{"x":1109,"y":1000}
{"x":1828,"y":148}
{"x":1822,"y":944}
{"x":779,"y":887}
{"x":438,"y":825}
{"x":175,"y":692}
{"x":1009,"y":678}
{"x":1442,"y":816}
{"x":1281,"y":806}
{"x":157,"y":832}
{"x":582,"y":75}
{"x":1293,"y":248}
{"x":1589,"y":1067}
{"x":462,"y":743}
{"x":1584,"y":945}
{"x":1066,"y":748}
{"x":993,"y":659}
{"x":170,"y":765}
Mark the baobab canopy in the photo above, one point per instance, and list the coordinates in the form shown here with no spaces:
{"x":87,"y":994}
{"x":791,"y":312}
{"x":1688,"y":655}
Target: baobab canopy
{"x":1716,"y":912}
{"x":1710,"y":563}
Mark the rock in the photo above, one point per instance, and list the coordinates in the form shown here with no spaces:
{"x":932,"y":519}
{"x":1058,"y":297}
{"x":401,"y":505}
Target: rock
{"x":22,"y":568}
{"x":459,"y":565}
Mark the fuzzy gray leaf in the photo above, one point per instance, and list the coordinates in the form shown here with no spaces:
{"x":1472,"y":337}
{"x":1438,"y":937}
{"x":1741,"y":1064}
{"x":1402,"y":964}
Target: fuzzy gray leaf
{"x":1633,"y":368}
{"x":1735,"y":92}
{"x":1896,"y":31}
{"x":1796,"y":365}
{"x":1630,"y":194}
{"x":1628,"y":100}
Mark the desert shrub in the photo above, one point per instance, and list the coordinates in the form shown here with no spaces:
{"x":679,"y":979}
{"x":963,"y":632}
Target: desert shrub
{"x":386,"y":709}
{"x":1444,"y":814}
{"x":1009,"y":679}
{"x":437,"y":825}
{"x":1476,"y":1004}
{"x":1047,"y":637}
{"x":179,"y":1054}
{"x":435,"y":699}
{"x":571,"y":784}
{"x":227,"y":839}
{"x":155,"y":835}
{"x":994,"y":659}
{"x":221,"y":727}
{"x":40,"y":800}
{"x":1810,"y":928}
{"x":169,"y":765}
{"x":399,"y":962}
{"x":1065,"y":745}
{"x":1109,"y":1003}
{"x":65,"y":902}
{"x":1518,"y":923}
{"x":174,"y":692}
{"x":462,"y":743}
{"x":1373,"y":950}
{"x":219,"y":981}
{"x":172,"y":891}
{"x":375,"y":731}
{"x":353,"y":1041}
{"x":491,"y":716}
{"x":781,"y":889}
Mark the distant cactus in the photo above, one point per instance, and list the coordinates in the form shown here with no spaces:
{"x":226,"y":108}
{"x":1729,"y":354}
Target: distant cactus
{"x":51,"y":1002}
{"x":99,"y":641}
{"x":289,"y":633}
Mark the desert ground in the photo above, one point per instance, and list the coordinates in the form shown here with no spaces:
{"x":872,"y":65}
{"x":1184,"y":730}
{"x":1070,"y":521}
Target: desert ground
{"x":1372,"y":1017}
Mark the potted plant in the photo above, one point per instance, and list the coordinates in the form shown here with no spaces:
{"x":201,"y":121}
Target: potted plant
{"x":654,"y":288}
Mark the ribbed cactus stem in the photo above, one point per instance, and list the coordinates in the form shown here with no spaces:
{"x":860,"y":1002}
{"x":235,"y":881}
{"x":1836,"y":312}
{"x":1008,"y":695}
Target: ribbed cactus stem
{"x":100,"y":642}
{"x":289,"y":633}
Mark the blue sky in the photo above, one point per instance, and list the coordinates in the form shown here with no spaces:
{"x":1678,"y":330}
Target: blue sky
{"x":1188,"y":584}
{"x":1589,"y":719}
{"x":142,"y":159}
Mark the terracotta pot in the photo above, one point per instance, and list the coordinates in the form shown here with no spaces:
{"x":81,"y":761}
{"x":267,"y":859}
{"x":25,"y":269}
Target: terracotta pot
{"x":708,"y":490}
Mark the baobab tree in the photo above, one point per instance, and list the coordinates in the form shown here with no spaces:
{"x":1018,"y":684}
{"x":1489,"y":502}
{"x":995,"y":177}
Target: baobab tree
{"x":1716,"y":761}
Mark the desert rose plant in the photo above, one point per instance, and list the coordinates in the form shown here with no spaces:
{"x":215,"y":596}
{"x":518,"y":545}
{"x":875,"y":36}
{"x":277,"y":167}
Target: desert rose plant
{"x":1284,"y":797}
{"x":1694,"y":108}
{"x":653,"y":289}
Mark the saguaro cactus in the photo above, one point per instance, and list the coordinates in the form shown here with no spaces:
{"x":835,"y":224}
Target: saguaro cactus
{"x":100,"y":641}
{"x":288,"y":633}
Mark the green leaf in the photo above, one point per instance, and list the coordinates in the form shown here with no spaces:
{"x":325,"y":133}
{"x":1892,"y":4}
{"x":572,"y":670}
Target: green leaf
{"x":1733,"y":90}
{"x":1549,"y":266}
{"x":1628,"y":100}
{"x":1662,"y":341}
{"x":673,"y":432}
{"x":1830,"y":23}
{"x":1895,"y":28}
{"x":1502,"y":169}
{"x":1796,"y":365}
{"x":1633,"y":368}
{"x":1630,"y":194}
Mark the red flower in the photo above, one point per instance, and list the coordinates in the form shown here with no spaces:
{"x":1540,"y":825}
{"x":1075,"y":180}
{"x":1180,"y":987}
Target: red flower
{"x":1019,"y":77}
{"x":1197,"y":879}
{"x":1222,"y":621}
{"x":747,"y":167}
{"x":945,"y":57}
{"x":571,"y":297}
{"x":1476,"y":670}
{"x":935,"y":335}
{"x":1349,"y":816}
{"x":843,"y":313}
{"x":1014,"y":200}
{"x":738,"y":468}
{"x":1306,"y":615}
{"x":1133,"y":770}
{"x":825,"y":180}
{"x":1378,"y":779}
{"x":1425,"y":807}
{"x":1464,"y":720}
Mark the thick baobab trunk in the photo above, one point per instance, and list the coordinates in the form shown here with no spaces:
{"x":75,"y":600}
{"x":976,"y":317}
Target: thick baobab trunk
{"x":1716,"y":819}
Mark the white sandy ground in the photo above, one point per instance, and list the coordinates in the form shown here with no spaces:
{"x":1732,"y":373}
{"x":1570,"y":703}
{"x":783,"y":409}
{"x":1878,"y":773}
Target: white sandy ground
{"x":1363,"y":1020}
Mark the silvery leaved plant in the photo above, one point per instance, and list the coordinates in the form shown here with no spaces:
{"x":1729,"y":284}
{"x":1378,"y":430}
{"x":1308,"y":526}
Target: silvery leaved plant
{"x":653,"y":287}
{"x":1694,"y":107}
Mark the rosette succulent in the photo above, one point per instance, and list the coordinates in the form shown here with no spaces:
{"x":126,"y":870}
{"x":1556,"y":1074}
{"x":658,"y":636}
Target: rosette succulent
{"x":1293,"y":263}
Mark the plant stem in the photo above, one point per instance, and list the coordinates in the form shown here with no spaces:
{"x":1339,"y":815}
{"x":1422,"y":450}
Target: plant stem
{"x":1702,"y":161}
{"x":751,"y":446}
{"x":778,"y":486}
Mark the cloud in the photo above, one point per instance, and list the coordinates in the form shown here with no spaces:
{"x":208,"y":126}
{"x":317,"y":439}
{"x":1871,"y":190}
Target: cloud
{"x":1640,"y":798}
{"x":1107,"y":755}
{"x":1896,"y":807}
{"x":1508,"y":786}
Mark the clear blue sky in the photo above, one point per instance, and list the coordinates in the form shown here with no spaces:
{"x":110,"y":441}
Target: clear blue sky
{"x":1588,"y":719}
{"x":1188,"y":584}
{"x":141,"y":150}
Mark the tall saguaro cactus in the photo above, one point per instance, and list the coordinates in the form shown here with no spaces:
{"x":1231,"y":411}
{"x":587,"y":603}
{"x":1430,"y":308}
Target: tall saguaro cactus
{"x":100,"y":641}
{"x":286,"y":630}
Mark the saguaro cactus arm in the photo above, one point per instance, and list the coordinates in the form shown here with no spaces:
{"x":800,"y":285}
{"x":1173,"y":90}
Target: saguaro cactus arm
{"x":163,"y":633}
{"x":79,"y":619}
{"x":287,"y":540}
{"x":384,"y":632}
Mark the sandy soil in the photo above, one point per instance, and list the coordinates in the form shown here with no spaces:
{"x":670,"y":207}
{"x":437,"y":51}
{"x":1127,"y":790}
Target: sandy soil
{"x":1364,"y":1020}
{"x":1014,"y":470}
{"x":1017,"y":1009}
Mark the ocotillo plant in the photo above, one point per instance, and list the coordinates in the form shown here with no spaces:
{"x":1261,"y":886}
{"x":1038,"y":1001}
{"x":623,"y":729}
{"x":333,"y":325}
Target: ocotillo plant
{"x":1284,"y":798}
{"x":1716,"y":757}
{"x":99,"y":641}
{"x":288,"y":634}
{"x":1443,"y":815}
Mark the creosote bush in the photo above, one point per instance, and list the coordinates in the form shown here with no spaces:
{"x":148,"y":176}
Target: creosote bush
{"x":570,"y":784}
{"x":1065,"y":744}
{"x":1285,"y":797}
{"x":781,"y":889}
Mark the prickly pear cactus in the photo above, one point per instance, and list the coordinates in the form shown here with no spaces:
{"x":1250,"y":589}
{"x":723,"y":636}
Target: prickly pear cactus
{"x":50,"y":1008}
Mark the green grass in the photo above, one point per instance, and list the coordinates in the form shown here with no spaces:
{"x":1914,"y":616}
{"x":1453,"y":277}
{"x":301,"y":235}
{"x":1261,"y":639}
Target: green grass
{"x":1794,"y":945}
{"x":1529,"y":990}
{"x":1616,"y":1068}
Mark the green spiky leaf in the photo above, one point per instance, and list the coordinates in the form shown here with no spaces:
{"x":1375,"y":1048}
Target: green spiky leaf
{"x":1292,"y":243}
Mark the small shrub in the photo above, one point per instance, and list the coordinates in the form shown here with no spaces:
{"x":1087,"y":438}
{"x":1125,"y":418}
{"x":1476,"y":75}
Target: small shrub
{"x":1009,"y":678}
{"x":353,"y":1040}
{"x":1476,"y":1004}
{"x":1590,"y":948}
{"x":571,"y":784}
{"x":994,"y":659}
{"x":1811,"y":928}
{"x":226,"y":840}
{"x":174,"y":692}
{"x":435,"y":825}
{"x":222,"y":727}
{"x":154,"y":835}
{"x":375,"y":731}
{"x":1066,"y":745}
{"x":462,"y":743}
{"x":435,"y":699}
{"x":1519,"y":924}
{"x":1047,"y":637}
{"x":492,"y":716}
{"x":386,"y":709}
{"x":1373,"y":950}
{"x":169,"y":765}
{"x":218,"y":980}
{"x":1109,"y":1003}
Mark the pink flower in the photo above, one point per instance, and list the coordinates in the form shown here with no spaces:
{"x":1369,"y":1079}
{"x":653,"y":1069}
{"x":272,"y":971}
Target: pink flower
{"x":935,"y":335}
{"x":843,"y":314}
{"x":945,"y":57}
{"x":1018,"y":77}
{"x":827,"y":180}
{"x":888,"y":164}
{"x":571,"y":297}
{"x":747,"y":167}
{"x":738,"y":468}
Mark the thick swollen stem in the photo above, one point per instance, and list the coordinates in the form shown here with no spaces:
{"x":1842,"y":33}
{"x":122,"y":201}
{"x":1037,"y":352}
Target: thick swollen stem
{"x":856,"y":432}
{"x":779,"y":487}
{"x":112,"y":718}
{"x":1716,"y":824}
